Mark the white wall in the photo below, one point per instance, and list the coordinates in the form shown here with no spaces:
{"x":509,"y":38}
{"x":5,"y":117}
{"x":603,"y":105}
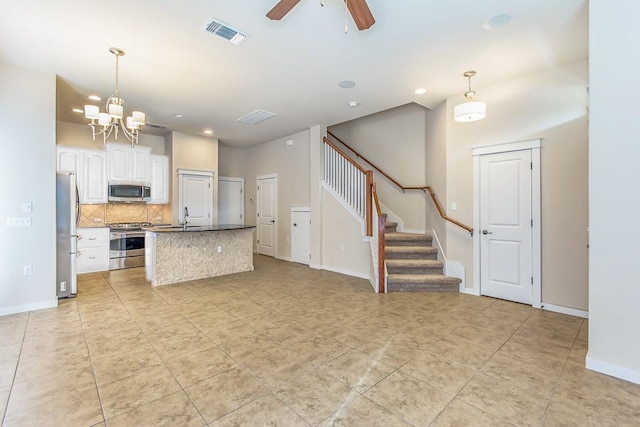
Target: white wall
{"x":27,"y":174}
{"x":552,"y":106}
{"x":191,"y":152}
{"x":394,"y":140}
{"x":614,"y":176}
{"x":73,"y":134}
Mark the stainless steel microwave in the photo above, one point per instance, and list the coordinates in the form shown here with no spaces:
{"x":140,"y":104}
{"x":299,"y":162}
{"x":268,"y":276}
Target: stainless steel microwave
{"x":129,"y":192}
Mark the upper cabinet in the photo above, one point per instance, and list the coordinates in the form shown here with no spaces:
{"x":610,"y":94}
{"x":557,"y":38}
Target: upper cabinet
{"x":129,"y":164}
{"x":69,"y":159}
{"x":94,"y":176}
{"x":159,"y":179}
{"x":90,"y":167}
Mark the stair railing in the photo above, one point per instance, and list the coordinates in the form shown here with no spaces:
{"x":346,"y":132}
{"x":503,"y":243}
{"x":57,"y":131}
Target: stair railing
{"x":426,"y":189}
{"x":350,"y":180}
{"x":377,"y":244}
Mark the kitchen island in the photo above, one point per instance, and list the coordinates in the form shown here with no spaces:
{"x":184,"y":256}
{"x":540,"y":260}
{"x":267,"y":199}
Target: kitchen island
{"x":176,"y":254}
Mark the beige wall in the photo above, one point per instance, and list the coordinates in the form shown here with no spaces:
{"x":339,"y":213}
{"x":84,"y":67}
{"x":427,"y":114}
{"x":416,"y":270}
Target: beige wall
{"x":551,"y":106}
{"x":289,"y":162}
{"x":191,"y":152}
{"x":436,"y":169}
{"x":394,"y":140}
{"x":27,"y":175}
{"x":73,"y":134}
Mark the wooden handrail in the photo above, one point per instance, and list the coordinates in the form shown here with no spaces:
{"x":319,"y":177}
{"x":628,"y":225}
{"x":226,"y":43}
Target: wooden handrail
{"x":442,"y":212}
{"x":366,"y":160}
{"x":424,"y":188}
{"x":381,"y":243}
{"x":345,"y":155}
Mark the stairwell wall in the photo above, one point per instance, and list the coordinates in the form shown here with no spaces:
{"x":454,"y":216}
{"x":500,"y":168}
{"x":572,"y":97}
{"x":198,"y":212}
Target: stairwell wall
{"x":394,"y":140}
{"x":436,"y":169}
{"x":549,"y":105}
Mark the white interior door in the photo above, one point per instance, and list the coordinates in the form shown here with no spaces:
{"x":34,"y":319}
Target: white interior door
{"x":196,"y":194}
{"x":230,"y":200}
{"x":267,"y":214}
{"x":301,"y":235}
{"x":506,"y":221}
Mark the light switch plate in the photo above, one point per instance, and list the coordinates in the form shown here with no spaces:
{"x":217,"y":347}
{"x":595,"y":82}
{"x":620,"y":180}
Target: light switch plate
{"x":21,"y":221}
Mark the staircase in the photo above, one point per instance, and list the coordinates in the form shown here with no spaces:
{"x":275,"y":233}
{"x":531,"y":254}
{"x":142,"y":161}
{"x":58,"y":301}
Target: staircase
{"x":412,"y":263}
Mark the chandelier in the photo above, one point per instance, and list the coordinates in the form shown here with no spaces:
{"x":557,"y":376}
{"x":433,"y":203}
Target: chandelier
{"x":469,"y":110}
{"x":112,"y":121}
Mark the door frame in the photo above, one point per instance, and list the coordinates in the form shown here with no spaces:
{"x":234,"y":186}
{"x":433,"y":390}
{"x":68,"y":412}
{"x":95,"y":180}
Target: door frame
{"x":232,"y":179}
{"x":275,"y":208}
{"x":534,"y":145}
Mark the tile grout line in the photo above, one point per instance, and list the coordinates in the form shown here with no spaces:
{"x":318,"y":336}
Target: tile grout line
{"x":15,"y":371}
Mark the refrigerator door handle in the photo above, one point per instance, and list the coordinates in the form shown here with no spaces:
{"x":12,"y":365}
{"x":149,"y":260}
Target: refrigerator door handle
{"x":78,"y":207}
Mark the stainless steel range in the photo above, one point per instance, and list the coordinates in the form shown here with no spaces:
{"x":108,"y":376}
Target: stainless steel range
{"x":126,"y":245}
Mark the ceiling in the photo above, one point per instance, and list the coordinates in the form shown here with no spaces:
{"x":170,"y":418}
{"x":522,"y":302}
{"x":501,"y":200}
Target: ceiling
{"x":290,"y":67}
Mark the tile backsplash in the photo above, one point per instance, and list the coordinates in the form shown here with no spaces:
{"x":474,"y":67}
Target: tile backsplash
{"x":99,"y":215}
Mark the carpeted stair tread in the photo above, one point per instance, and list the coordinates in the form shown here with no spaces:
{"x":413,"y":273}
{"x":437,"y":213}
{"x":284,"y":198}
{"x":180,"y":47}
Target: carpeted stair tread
{"x":422,"y":283}
{"x":422,"y":278}
{"x":410,"y":252}
{"x":414,"y":266}
{"x":407,"y":239}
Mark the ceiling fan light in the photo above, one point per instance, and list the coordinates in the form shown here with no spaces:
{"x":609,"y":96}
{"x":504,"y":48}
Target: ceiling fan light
{"x":470,"y":111}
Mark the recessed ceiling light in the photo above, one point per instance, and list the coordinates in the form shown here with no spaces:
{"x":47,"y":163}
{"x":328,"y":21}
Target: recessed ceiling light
{"x":353,"y":104}
{"x":77,"y":110}
{"x":497,"y":21}
{"x":420,"y":91}
{"x":178,"y":116}
{"x":208,"y":132}
{"x":94,"y":98}
{"x":346,"y":84}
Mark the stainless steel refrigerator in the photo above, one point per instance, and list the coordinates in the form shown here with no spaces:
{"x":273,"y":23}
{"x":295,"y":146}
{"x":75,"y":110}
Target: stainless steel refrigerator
{"x":67,"y":218}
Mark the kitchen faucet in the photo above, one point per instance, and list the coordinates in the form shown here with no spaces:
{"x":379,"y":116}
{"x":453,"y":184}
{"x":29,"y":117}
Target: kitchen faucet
{"x":186,"y":215}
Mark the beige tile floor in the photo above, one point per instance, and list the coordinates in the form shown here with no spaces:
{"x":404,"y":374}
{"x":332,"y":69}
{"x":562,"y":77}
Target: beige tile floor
{"x":290,"y":346}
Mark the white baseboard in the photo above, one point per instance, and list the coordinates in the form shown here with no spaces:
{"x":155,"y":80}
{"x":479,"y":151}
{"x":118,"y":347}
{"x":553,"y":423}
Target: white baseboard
{"x":470,"y":291}
{"x":5,"y":311}
{"x":345,"y":272}
{"x":565,"y":310}
{"x":607,"y":368}
{"x":315,"y":266}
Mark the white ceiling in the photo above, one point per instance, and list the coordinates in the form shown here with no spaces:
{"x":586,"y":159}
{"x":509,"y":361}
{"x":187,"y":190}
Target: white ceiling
{"x":289,"y":67}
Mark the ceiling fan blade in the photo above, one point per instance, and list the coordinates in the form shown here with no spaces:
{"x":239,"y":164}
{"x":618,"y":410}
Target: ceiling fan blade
{"x":361,"y":14}
{"x":282,"y":8}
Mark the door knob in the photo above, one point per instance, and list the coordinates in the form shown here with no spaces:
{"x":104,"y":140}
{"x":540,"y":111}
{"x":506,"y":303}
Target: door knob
{"x":273,"y":220}
{"x":486,"y":232}
{"x":295,"y":225}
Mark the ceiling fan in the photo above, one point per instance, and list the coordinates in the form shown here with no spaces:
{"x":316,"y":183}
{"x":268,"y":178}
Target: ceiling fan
{"x":358,"y":8}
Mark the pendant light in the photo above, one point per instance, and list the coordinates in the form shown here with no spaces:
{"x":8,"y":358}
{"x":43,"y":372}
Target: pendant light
{"x":469,"y":110}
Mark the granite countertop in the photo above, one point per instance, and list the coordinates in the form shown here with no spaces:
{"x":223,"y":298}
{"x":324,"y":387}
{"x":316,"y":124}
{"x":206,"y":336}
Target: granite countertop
{"x":197,"y":228}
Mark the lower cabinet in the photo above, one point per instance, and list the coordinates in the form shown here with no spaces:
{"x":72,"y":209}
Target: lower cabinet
{"x":93,"y":249}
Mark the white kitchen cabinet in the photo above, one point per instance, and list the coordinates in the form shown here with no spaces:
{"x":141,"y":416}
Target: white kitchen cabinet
{"x":159,"y":179}
{"x":93,"y":249}
{"x":94,"y":177}
{"x":129,"y":164}
{"x":68,"y":159}
{"x":90,"y":167}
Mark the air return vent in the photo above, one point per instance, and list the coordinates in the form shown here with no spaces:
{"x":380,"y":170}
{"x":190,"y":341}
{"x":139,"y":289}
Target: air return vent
{"x":227,"y":32}
{"x":256,"y":117}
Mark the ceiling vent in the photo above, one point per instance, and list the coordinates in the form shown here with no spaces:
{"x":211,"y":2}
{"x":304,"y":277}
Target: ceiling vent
{"x":155,"y":126}
{"x":256,"y":117}
{"x":225,"y":31}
